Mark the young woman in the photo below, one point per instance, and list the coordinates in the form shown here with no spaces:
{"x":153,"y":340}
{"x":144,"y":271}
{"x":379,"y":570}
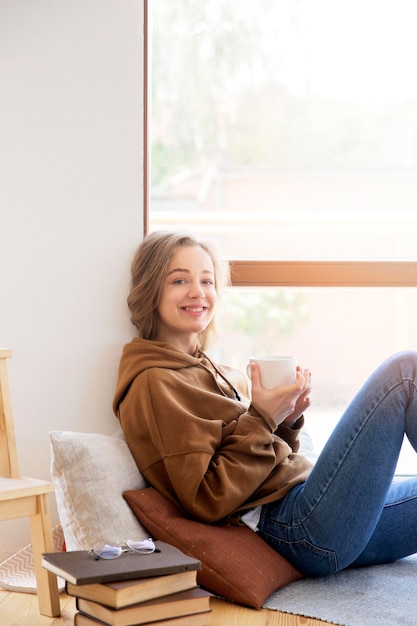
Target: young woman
{"x":198,"y":438}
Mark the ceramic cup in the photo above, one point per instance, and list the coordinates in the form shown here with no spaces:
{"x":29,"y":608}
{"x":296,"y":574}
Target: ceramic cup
{"x":275,"y":371}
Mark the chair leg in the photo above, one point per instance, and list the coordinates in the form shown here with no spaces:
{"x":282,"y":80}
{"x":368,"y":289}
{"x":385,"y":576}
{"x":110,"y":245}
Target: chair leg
{"x":42,"y":541}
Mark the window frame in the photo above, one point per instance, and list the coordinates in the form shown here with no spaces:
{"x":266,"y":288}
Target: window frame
{"x":261,"y":273}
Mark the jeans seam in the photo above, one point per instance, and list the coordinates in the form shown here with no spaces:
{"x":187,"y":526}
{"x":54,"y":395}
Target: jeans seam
{"x":329,"y":555}
{"x":388,"y":505}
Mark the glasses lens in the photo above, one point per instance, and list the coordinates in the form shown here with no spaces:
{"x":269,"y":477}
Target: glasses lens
{"x":107,"y":550}
{"x":144,"y":546}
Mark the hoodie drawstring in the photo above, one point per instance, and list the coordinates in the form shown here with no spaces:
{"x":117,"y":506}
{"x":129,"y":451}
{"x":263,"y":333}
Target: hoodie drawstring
{"x":218,"y":372}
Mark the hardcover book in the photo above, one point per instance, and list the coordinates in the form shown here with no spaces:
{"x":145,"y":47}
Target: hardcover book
{"x":198,"y":619}
{"x":120,"y":594}
{"x":79,"y":568}
{"x":174,"y":605}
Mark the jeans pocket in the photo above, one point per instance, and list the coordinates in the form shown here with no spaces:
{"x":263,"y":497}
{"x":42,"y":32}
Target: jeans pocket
{"x":304,"y":555}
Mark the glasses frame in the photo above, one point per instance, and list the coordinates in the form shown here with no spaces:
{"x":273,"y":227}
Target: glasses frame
{"x":108,"y":550}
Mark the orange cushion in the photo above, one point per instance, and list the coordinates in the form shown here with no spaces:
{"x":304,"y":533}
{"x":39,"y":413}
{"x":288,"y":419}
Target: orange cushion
{"x":236,"y":563}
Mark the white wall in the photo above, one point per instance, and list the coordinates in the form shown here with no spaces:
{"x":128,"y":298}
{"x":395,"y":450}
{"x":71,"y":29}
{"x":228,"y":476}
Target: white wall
{"x":70,"y":214}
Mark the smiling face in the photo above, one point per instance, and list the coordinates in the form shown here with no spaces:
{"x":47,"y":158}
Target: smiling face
{"x":188,"y":298}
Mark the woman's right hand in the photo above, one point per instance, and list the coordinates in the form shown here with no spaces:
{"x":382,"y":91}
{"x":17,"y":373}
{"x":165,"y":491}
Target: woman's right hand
{"x":278,"y":403}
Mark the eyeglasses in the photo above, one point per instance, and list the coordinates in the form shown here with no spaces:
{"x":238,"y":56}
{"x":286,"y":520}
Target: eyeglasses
{"x":106,"y":550}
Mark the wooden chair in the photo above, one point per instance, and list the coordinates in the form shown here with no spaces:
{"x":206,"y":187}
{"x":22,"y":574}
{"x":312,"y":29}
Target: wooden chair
{"x":25,"y":497}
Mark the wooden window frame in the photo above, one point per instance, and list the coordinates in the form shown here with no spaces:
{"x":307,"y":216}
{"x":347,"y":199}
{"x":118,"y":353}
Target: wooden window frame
{"x":324,"y":273}
{"x":290,"y":273}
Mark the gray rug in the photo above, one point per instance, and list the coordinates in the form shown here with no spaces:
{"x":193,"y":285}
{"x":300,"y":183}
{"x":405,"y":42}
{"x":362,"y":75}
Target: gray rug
{"x":381,"y":595}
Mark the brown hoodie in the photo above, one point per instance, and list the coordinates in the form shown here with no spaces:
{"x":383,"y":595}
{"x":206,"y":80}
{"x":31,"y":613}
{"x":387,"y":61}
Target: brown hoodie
{"x":194,"y":440}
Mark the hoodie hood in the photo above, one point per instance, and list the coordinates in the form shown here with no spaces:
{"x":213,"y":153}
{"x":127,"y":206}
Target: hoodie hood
{"x":142,"y":354}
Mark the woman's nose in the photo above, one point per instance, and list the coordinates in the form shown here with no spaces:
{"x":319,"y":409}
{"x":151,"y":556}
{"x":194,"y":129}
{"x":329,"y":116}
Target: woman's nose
{"x":197,"y":291}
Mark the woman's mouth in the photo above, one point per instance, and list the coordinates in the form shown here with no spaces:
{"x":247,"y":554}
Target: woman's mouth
{"x":194,"y":309}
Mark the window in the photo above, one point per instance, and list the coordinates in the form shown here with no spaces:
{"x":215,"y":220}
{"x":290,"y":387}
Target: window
{"x":286,"y":132}
{"x":340,"y":334}
{"x":286,"y":129}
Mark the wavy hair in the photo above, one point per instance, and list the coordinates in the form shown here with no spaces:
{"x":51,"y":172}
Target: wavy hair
{"x":148,"y":272}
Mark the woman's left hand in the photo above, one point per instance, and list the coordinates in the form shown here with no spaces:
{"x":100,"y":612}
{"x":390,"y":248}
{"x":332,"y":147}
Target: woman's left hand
{"x":303,"y":401}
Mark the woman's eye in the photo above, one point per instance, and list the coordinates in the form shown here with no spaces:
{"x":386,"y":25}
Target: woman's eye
{"x":183,"y":281}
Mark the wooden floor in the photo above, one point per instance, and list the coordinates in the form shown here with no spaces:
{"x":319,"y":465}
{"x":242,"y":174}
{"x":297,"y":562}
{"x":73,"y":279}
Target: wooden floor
{"x":21,"y":609}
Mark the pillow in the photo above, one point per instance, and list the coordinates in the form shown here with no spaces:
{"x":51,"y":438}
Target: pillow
{"x":236,"y":563}
{"x":90,"y":471}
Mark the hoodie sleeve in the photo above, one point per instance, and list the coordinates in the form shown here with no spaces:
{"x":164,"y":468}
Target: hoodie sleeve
{"x":204,"y":450}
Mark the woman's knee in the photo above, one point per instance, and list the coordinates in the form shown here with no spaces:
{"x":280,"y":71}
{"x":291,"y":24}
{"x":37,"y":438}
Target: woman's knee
{"x":403,"y":365}
{"x":403,"y":357}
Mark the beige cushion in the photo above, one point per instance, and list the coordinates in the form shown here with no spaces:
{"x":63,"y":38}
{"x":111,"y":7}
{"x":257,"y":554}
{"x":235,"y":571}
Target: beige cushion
{"x":90,"y":472}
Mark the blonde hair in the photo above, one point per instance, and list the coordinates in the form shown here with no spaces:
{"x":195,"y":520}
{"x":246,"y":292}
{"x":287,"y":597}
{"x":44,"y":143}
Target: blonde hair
{"x":148,"y":272}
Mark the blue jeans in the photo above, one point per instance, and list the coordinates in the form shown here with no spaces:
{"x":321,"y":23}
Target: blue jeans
{"x":349,"y":512}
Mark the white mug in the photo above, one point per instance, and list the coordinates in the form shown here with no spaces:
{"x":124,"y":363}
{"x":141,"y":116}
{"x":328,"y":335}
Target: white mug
{"x":275,"y":371}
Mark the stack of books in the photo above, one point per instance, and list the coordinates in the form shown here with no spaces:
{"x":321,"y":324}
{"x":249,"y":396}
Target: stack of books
{"x":159,"y":588}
